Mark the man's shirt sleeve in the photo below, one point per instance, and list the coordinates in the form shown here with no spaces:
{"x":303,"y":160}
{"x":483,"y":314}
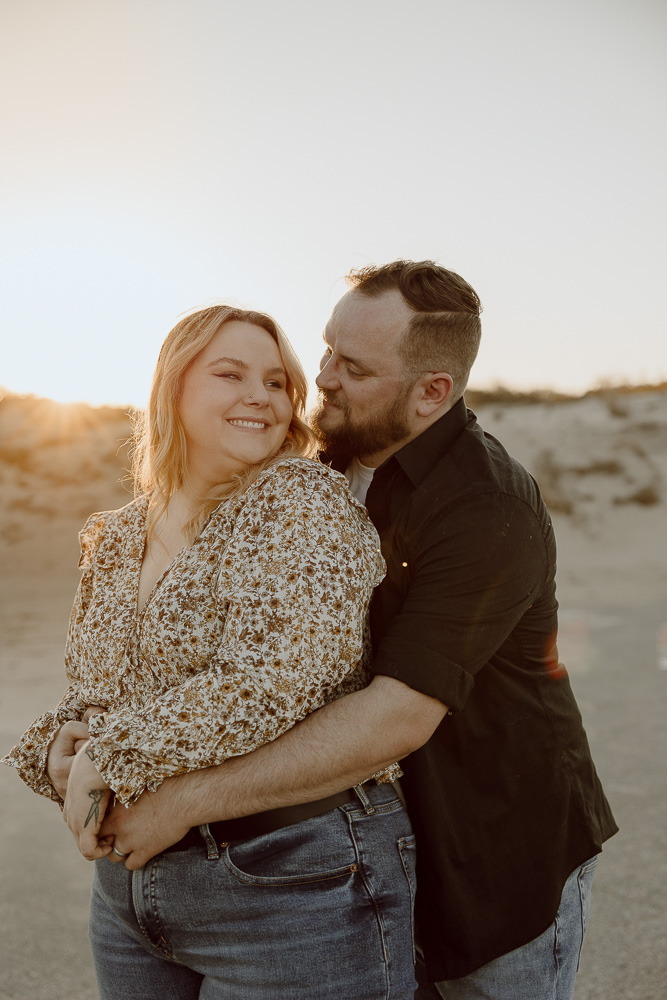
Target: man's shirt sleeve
{"x":473,"y":570}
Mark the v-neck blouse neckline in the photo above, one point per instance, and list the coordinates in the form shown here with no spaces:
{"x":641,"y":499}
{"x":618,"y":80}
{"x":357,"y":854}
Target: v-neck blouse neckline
{"x":142,"y":508}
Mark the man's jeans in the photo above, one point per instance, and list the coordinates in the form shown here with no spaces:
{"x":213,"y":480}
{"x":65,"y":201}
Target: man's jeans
{"x":321,"y":909}
{"x":543,"y":969}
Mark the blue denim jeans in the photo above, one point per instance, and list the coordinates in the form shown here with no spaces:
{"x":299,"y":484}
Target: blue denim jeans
{"x":543,"y":969}
{"x":321,"y":909}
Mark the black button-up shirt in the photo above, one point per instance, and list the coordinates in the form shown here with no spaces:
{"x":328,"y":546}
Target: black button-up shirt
{"x":504,"y":797}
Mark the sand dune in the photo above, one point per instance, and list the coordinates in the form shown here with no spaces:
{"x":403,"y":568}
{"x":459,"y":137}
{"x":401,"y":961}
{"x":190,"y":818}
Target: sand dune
{"x":601,"y":464}
{"x":57,"y":464}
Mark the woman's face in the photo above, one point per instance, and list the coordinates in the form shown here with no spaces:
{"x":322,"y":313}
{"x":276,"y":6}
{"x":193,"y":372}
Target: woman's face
{"x":234,"y":405}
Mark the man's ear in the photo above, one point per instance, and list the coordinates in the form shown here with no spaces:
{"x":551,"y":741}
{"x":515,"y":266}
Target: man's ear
{"x":435,"y":388}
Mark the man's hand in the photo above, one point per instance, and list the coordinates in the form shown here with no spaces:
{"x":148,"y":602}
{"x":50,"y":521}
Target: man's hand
{"x":85,"y":803}
{"x":70,"y":738}
{"x":153,"y":823}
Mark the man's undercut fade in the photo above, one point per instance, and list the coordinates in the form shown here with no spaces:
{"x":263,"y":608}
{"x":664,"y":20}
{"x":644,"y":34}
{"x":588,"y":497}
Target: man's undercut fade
{"x":444,"y":333}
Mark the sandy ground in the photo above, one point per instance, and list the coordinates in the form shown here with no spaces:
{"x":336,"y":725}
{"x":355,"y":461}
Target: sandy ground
{"x":602,"y":465}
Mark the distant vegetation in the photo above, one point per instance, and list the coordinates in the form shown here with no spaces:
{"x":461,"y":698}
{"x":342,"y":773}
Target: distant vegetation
{"x":501,"y":394}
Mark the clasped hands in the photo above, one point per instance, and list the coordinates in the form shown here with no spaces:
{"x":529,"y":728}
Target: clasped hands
{"x":71,"y":769}
{"x":99,"y":826}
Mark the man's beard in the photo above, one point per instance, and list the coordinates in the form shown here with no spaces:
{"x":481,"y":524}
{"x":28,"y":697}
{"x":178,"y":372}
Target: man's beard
{"x":368,"y":437}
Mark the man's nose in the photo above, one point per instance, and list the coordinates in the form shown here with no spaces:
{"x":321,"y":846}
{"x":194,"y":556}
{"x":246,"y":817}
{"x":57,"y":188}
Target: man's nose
{"x":328,"y":377}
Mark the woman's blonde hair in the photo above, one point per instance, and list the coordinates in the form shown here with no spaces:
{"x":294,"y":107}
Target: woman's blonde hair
{"x":159,"y":463}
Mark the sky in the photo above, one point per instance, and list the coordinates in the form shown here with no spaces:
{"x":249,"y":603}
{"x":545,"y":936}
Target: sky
{"x":163,"y":154}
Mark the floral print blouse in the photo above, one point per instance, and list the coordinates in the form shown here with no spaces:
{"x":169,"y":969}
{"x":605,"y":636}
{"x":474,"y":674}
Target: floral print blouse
{"x":262,"y":620}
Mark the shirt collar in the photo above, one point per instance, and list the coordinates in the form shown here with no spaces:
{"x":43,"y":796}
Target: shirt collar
{"x":418,"y":457}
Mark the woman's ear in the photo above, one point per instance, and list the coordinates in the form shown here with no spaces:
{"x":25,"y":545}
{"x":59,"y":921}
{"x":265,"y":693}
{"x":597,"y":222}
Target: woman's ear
{"x":435,"y":390}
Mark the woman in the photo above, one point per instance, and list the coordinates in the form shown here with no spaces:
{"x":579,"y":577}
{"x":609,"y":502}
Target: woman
{"x":224,"y":604}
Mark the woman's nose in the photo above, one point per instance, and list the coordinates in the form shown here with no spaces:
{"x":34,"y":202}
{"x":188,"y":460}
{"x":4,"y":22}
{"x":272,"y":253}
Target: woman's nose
{"x":256,"y":395}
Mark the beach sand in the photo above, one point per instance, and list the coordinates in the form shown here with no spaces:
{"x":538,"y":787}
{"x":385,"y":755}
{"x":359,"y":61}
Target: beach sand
{"x":601,"y":462}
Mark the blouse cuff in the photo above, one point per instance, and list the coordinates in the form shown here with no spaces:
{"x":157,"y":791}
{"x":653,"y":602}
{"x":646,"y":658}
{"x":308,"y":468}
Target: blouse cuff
{"x":30,"y":755}
{"x":124,"y":771}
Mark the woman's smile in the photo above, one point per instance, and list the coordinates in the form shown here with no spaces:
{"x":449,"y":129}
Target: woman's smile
{"x":244,"y":424}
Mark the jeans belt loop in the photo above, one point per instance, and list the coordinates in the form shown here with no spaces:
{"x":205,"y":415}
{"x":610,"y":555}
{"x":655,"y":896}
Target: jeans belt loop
{"x":360,"y":792}
{"x":211,"y":846}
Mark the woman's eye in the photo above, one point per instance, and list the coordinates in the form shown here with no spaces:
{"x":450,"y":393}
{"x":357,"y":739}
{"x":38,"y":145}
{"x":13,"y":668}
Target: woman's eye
{"x":276,"y":385}
{"x":232,"y":375}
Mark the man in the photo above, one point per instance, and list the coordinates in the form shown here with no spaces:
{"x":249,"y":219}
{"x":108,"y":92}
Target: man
{"x":468,"y":692}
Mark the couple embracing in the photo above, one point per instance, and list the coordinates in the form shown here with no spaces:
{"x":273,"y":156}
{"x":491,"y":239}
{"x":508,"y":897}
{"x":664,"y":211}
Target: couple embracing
{"x":228,"y":746}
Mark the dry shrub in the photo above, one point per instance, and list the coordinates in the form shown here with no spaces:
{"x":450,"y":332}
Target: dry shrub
{"x":608,"y":468}
{"x":647,"y":496}
{"x":548,"y":475}
{"x":13,"y":533}
{"x":647,"y":426}
{"x":631,"y":445}
{"x":616,"y":406}
{"x":20,"y":458}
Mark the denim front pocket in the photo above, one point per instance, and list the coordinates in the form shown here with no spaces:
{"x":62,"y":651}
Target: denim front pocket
{"x":315,"y":850}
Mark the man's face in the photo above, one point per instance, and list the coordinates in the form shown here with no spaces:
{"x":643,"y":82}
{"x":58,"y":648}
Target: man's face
{"x":363,"y":405}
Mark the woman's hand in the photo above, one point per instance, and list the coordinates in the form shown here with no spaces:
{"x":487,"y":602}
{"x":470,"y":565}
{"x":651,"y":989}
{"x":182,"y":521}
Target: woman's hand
{"x":85,"y":804}
{"x":69,"y":739}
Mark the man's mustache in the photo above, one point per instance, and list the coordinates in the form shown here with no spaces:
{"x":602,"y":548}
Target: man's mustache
{"x":327,"y":396}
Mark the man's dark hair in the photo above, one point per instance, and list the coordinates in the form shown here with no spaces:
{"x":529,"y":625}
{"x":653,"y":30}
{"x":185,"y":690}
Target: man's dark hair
{"x":444,"y":333}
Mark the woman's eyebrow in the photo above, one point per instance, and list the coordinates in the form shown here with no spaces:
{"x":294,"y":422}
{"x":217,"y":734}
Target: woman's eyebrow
{"x":227,"y":361}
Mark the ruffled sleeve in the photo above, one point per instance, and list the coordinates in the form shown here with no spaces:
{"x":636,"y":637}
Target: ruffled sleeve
{"x":30,"y":753}
{"x":294,"y":587}
{"x":89,"y":540}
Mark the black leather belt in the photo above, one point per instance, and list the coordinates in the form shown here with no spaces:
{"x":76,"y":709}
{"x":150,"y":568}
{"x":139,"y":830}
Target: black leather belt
{"x":265,"y":822}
